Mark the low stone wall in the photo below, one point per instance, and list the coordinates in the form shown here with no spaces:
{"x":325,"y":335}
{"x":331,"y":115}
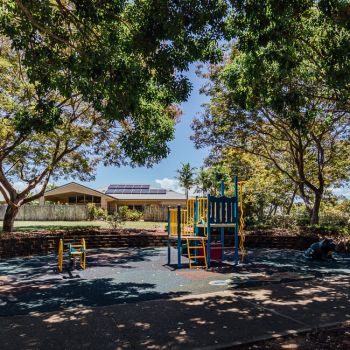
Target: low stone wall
{"x":42,"y":243}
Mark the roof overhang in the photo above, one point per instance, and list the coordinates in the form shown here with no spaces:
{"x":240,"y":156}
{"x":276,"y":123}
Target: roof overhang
{"x":73,"y":187}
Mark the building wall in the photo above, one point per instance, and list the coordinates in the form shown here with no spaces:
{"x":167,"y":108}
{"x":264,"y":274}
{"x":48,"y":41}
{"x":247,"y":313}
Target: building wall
{"x":61,"y":195}
{"x":141,"y":204}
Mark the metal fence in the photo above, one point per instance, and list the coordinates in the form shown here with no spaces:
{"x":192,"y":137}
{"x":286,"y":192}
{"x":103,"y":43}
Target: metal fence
{"x":49,"y":213}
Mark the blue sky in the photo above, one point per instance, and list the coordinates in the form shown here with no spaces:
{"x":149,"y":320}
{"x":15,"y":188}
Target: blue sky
{"x":181,"y":150}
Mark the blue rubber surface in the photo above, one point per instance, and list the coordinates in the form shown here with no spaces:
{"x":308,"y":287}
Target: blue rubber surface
{"x":129,"y":275}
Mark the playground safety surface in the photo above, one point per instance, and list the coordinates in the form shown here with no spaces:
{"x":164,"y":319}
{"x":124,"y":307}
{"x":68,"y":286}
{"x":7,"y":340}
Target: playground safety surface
{"x":128,"y":298}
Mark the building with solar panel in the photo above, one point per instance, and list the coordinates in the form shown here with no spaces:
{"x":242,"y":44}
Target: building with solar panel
{"x":135,"y":196}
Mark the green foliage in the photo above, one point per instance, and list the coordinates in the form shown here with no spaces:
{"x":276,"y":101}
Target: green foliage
{"x":129,"y":214}
{"x":125,"y":58}
{"x":115,"y":221}
{"x":101,"y":213}
{"x":276,"y":97}
{"x":92,"y":211}
{"x":123,"y":211}
{"x":209,"y":180}
{"x":186,"y":176}
{"x":134,"y":215}
{"x":334,"y":220}
{"x":282,"y":221}
{"x":95,"y":213}
{"x":203,"y":181}
{"x":299,"y":43}
{"x":328,"y":229}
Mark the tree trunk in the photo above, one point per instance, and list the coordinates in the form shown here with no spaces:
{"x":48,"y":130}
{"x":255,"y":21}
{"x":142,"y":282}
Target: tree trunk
{"x":275,"y":210}
{"x":315,"y":213}
{"x":292,"y":201}
{"x":260,"y":210}
{"x":9,"y":218}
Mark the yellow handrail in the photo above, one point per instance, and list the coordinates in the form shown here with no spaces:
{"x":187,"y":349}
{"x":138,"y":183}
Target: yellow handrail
{"x":241,"y":220}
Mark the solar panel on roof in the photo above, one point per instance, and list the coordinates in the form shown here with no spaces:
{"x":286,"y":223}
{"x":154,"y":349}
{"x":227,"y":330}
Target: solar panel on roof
{"x":157,"y":191}
{"x":134,"y":189}
{"x":128,"y":186}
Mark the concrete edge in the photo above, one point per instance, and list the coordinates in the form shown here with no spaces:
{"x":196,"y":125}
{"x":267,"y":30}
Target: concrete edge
{"x":276,"y":336}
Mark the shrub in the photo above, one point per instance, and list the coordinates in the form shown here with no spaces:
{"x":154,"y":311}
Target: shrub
{"x":96,"y":213}
{"x":115,"y":221}
{"x":329,"y":229}
{"x":334,"y":217}
{"x":101,"y":213}
{"x":92,"y":211}
{"x":134,"y":215}
{"x":129,"y":214}
{"x":123,"y":211}
{"x":283,"y":221}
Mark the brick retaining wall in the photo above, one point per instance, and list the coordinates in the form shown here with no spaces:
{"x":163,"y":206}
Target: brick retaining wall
{"x":42,"y":243}
{"x":45,"y":243}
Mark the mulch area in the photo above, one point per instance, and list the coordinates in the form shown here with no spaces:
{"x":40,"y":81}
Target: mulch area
{"x":324,"y":339}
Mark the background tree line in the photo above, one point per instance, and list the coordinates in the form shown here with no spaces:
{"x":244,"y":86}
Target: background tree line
{"x":269,"y":198}
{"x":281,"y":97}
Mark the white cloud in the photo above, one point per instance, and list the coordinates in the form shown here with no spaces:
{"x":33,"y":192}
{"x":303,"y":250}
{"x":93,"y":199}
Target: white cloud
{"x":170,"y":184}
{"x":173,"y":184}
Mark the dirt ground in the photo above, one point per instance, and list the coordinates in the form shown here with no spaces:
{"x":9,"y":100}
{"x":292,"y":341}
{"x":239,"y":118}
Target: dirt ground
{"x":325,"y":339}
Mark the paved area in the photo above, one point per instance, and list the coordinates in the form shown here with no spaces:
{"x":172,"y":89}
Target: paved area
{"x":128,"y":299}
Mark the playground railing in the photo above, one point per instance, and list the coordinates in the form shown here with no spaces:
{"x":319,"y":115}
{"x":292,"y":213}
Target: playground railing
{"x":222,"y":209}
{"x":185,"y":222}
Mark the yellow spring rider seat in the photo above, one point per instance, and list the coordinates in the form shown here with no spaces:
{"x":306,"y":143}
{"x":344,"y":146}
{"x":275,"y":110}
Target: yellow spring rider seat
{"x":73,"y":251}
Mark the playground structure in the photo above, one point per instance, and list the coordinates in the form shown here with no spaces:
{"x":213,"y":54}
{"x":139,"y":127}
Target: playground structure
{"x":195,"y":223}
{"x":73,"y":250}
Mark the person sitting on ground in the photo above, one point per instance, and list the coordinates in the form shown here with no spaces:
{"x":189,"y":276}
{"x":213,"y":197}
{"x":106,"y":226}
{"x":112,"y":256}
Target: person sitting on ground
{"x":320,"y":250}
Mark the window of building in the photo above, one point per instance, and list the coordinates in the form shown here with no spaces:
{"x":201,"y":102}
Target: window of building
{"x":88,"y":198}
{"x":97,"y":200}
{"x":80,"y":199}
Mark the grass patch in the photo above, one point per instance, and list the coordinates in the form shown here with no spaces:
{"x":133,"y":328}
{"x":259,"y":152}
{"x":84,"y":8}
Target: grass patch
{"x":64,"y":225}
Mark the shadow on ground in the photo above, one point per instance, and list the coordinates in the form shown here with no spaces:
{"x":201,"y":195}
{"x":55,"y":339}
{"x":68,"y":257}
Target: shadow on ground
{"x":34,"y":285}
{"x":124,"y":275}
{"x":184,"y":323}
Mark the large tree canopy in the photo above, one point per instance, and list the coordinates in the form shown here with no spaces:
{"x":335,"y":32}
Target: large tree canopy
{"x":126,"y":58}
{"x":276,"y":97}
{"x":33,"y":156}
{"x":300,"y":48}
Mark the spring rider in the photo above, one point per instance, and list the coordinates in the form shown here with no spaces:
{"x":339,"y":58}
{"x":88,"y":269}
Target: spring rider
{"x":73,"y":251}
